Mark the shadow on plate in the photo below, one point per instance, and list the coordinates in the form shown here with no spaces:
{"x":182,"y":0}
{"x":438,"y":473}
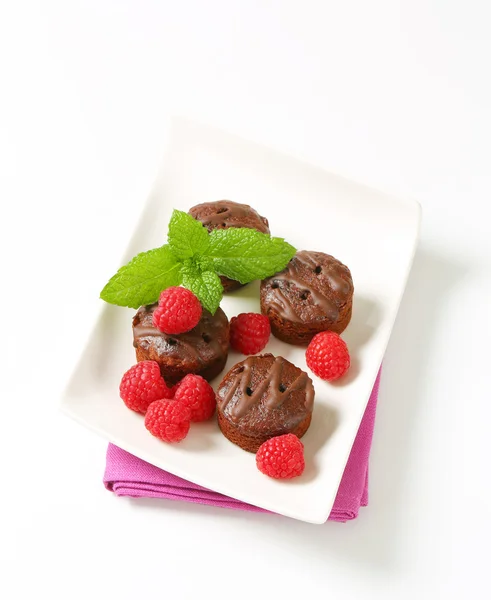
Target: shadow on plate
{"x":324,"y":422}
{"x":364,"y":321}
{"x":201,"y":437}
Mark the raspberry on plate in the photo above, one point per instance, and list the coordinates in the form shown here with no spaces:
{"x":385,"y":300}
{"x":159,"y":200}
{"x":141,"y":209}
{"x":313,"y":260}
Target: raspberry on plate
{"x":249,"y":332}
{"x":143,"y":384}
{"x":281,"y":457}
{"x":327,"y":356}
{"x":168,"y":420}
{"x":197,"y":394}
{"x":179,"y":310}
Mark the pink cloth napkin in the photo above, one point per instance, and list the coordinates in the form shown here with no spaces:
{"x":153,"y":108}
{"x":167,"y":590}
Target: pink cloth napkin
{"x":127,"y":475}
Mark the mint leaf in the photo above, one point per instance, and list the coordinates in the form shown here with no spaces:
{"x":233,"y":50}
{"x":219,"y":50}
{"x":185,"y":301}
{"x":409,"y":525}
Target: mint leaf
{"x":205,"y":285}
{"x":186,"y":236}
{"x":143,"y":278}
{"x":246,"y":254}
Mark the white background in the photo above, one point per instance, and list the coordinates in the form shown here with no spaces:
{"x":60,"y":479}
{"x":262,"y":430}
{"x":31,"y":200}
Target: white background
{"x":393,"y":93}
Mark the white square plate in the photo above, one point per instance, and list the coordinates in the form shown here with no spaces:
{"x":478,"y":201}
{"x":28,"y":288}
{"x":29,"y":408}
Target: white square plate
{"x":374,"y":234}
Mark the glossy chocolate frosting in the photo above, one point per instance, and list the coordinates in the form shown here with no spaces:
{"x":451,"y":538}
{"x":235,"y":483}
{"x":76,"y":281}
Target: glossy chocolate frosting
{"x":225,"y":213}
{"x":266,"y":394}
{"x":314,"y":286}
{"x":203,"y":344}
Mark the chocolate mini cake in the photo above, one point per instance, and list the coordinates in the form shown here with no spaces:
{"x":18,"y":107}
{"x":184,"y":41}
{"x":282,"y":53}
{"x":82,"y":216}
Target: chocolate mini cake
{"x":223,"y":214}
{"x":203,"y":350}
{"x":262,"y":397}
{"x":313,"y":293}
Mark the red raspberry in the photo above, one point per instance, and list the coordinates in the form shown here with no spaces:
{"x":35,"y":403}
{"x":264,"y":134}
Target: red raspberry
{"x":327,"y":356}
{"x":281,"y":457}
{"x":141,"y":385}
{"x":198,"y":395}
{"x":249,"y":332}
{"x":168,"y":420}
{"x":178,"y":311}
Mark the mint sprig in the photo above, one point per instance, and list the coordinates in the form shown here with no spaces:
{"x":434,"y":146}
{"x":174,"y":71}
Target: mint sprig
{"x":206,"y":285}
{"x":247,"y":254}
{"x":187,"y":237}
{"x":143,"y":278}
{"x":195,"y":258}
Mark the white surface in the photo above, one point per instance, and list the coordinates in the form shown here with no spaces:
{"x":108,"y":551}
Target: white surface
{"x":373,"y":233}
{"x":392,"y":93}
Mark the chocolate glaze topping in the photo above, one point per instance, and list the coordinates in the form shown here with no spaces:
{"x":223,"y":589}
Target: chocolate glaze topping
{"x":251,"y":386}
{"x":202,"y":343}
{"x":225,"y":213}
{"x":313,"y":286}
